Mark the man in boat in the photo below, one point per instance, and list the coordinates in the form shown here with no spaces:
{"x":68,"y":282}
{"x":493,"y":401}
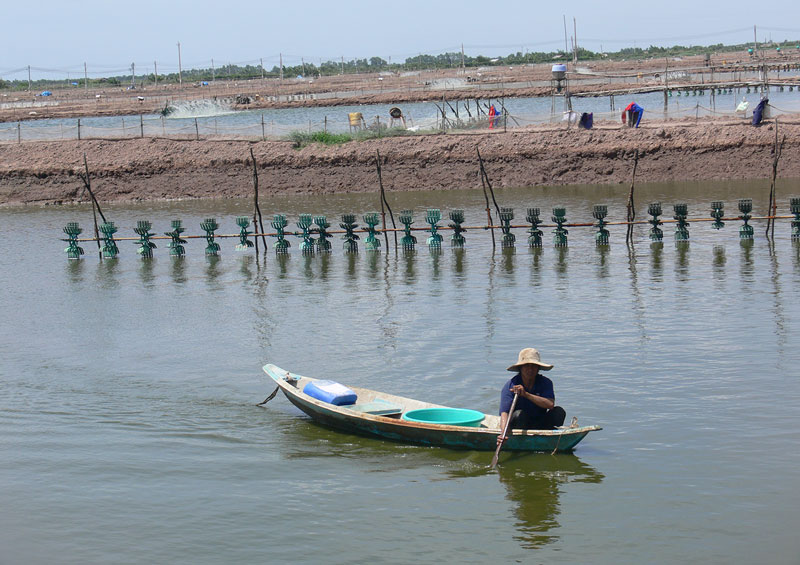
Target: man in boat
{"x":536,"y":405}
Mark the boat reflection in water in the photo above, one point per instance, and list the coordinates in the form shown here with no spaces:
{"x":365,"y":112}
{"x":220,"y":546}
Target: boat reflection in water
{"x":534,"y":483}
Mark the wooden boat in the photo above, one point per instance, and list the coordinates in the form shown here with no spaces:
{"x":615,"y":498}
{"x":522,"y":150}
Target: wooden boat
{"x":380,"y":414}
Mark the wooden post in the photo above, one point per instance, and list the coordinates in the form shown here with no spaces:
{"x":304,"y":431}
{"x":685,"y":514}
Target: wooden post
{"x":79,"y":129}
{"x":484,"y":180}
{"x":196,"y":130}
{"x":95,"y":205}
{"x":141,"y":125}
{"x":256,"y":208}
{"x":385,"y":205}
{"x":772,"y":206}
{"x":631,"y":208}
{"x":263,"y":134}
{"x":575,"y":39}
{"x":180,"y":70}
{"x":19,"y":132}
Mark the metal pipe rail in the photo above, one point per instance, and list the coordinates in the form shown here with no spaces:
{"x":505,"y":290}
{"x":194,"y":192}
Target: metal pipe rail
{"x":443,"y":228}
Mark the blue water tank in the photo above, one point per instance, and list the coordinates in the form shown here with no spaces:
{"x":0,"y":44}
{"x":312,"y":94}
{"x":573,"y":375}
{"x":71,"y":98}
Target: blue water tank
{"x":331,"y":392}
{"x":559,"y":71}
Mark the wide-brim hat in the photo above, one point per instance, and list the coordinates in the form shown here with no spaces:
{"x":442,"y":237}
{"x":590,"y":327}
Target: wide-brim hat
{"x":529,"y":356}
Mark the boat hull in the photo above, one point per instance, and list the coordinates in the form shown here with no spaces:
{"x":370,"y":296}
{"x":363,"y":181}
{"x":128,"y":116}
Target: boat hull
{"x":483,"y":438}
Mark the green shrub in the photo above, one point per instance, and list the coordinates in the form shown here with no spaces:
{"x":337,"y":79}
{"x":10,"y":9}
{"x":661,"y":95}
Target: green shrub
{"x":301,"y":138}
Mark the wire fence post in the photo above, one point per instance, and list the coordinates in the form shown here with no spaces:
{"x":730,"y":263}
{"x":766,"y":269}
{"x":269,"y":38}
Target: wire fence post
{"x":141,"y":126}
{"x":19,"y":132}
{"x":263,"y":134}
{"x":196,"y":130}
{"x":79,"y":129}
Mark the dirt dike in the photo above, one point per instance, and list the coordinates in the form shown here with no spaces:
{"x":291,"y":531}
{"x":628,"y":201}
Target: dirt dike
{"x":41,"y":173}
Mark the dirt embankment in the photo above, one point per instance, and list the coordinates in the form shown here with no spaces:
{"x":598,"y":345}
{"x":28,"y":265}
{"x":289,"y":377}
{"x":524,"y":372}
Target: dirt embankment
{"x":155,"y":169}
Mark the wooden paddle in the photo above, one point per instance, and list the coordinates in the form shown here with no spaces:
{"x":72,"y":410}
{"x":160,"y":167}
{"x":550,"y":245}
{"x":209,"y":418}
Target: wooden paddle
{"x":505,"y":431}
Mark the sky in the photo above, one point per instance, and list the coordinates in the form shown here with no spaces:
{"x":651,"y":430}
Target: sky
{"x":57,"y":37}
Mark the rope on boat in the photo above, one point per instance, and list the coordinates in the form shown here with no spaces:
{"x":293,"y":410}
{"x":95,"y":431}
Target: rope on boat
{"x":573,"y":424}
{"x":270,"y":397}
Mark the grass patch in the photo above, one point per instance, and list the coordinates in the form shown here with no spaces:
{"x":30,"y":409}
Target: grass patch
{"x":302,"y":139}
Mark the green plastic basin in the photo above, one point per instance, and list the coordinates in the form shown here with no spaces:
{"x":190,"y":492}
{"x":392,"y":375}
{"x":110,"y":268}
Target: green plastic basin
{"x":446,"y":416}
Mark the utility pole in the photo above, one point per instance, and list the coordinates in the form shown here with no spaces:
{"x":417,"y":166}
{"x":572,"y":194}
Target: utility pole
{"x":566,"y":47}
{"x":213,"y":75}
{"x":262,"y":68}
{"x":180,"y":72}
{"x":575,"y":37}
{"x":341,"y":73}
{"x":280,"y":61}
{"x":303,"y":61}
{"x":85,"y":78}
{"x":155,"y":72}
{"x":133,"y":75}
{"x":463,"y":68}
{"x":29,"y":79}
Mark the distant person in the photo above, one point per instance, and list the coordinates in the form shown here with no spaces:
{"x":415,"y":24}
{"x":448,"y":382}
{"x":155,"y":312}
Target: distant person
{"x":536,"y":405}
{"x":633,"y":115}
{"x":760,"y":112}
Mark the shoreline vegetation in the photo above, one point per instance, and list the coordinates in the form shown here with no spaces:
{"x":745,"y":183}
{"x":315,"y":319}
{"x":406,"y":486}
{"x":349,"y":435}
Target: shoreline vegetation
{"x":422,"y":62}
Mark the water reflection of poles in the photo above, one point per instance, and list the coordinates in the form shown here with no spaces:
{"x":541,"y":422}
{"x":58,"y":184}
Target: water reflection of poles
{"x":775,"y":276}
{"x":490,"y":315}
{"x":639,"y":308}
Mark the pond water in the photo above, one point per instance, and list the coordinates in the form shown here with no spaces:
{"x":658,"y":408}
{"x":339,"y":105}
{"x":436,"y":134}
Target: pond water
{"x":211,"y":119}
{"x":129,"y":431}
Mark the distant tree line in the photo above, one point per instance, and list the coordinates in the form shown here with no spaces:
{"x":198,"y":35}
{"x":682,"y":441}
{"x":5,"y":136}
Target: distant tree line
{"x":377,"y":64}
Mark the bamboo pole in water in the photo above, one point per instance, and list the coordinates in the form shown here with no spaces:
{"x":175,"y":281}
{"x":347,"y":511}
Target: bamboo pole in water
{"x":95,"y":205}
{"x":385,"y":205}
{"x":257,"y":209}
{"x":631,"y":211}
{"x":772,"y":205}
{"x":484,"y":183}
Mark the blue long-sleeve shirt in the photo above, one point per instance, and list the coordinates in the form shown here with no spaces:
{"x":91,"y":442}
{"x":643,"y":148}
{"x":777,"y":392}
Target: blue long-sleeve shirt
{"x":542,"y":386}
